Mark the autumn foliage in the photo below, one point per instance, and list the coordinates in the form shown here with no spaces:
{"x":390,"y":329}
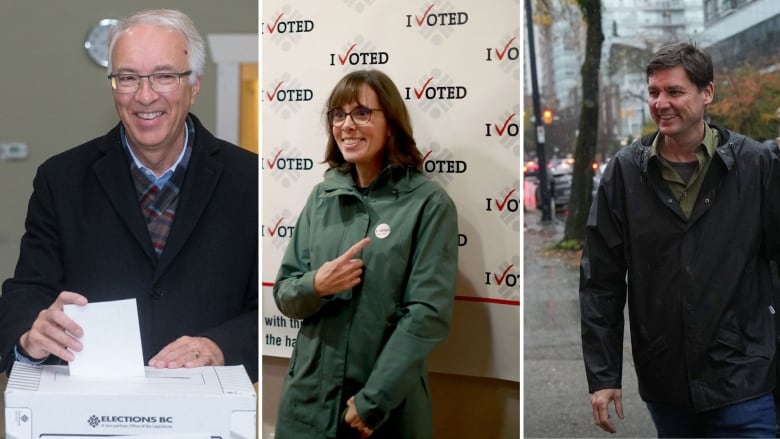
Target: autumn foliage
{"x":746,"y":100}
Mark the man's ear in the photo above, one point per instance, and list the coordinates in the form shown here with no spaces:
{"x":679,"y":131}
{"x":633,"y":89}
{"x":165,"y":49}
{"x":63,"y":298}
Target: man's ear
{"x":195,"y":89}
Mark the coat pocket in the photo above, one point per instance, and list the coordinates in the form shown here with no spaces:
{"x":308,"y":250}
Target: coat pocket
{"x":728,"y":341}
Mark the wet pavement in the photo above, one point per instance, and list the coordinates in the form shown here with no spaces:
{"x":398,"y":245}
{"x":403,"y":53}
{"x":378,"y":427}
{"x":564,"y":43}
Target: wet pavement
{"x":556,"y":399}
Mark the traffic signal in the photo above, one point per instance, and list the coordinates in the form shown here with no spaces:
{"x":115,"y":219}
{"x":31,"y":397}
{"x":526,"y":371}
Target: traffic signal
{"x":547,"y":116}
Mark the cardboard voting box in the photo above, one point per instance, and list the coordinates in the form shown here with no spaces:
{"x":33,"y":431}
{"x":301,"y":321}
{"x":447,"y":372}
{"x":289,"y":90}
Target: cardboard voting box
{"x":204,"y":402}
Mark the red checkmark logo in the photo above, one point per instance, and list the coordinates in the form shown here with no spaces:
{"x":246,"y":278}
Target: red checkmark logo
{"x":346,"y":55}
{"x":272,"y":28}
{"x":273,"y":93}
{"x":272,"y":230}
{"x":425,"y":157}
{"x":502,"y":204}
{"x":500,"y":280}
{"x":420,"y":21}
{"x":501,"y":129}
{"x":422,"y":90}
{"x":272,"y":163}
{"x":501,"y":53}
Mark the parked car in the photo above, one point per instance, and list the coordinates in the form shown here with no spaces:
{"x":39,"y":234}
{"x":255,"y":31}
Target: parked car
{"x":531,"y":168}
{"x":559,"y":179}
{"x":560,"y":191}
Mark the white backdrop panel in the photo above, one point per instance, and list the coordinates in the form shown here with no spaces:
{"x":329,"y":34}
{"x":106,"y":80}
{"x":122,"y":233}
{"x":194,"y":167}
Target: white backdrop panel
{"x":456,"y":63}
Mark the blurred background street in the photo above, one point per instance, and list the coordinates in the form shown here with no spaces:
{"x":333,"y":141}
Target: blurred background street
{"x":556,"y":398}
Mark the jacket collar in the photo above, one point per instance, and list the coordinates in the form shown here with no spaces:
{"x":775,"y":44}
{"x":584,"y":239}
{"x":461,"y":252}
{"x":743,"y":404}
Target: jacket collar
{"x":394,"y":178}
{"x":203,"y":173}
{"x":729,"y":140}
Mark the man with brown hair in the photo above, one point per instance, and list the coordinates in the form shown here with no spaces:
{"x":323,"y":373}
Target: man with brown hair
{"x":683,"y":229}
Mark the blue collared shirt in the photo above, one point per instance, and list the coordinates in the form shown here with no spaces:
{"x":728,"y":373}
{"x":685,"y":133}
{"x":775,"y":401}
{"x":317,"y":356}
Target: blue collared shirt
{"x":162,"y":179}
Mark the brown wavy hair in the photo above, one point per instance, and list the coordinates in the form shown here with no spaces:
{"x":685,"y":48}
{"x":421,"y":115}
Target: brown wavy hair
{"x":400,"y":148}
{"x":696,"y":63}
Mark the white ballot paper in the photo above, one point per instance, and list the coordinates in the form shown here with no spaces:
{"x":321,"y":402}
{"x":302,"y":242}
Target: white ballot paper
{"x":111,"y":341}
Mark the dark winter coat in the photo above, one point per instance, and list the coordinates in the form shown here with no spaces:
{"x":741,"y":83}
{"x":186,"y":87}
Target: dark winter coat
{"x":85,"y":232}
{"x":699,"y":290}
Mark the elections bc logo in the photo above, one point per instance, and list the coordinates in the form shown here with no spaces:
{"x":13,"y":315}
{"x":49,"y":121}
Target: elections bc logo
{"x":130,"y":421}
{"x":437,"y":21}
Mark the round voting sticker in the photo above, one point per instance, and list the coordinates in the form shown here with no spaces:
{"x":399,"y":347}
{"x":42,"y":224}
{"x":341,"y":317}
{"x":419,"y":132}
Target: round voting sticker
{"x":382,"y":231}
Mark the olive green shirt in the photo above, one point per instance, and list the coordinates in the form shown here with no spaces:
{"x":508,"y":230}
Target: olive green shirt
{"x":686,"y":193}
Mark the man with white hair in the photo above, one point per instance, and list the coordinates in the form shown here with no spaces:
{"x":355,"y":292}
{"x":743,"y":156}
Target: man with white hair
{"x":158,"y":210}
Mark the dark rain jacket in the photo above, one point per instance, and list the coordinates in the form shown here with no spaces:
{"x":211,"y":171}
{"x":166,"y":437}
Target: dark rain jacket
{"x":371,"y":341}
{"x":699,"y":290}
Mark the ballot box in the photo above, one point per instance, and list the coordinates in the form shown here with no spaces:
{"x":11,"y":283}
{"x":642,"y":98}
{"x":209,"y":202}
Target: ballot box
{"x":205,"y":402}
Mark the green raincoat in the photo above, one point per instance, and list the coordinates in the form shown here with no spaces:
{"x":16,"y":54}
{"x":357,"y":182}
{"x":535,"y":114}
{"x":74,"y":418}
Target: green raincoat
{"x":371,"y":341}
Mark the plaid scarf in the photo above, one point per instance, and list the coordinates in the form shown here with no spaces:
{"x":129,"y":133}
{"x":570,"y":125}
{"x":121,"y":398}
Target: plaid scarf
{"x":158,"y":205}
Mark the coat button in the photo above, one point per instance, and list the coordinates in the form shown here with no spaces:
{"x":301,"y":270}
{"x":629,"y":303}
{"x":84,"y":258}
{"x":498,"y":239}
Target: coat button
{"x":158,"y":293}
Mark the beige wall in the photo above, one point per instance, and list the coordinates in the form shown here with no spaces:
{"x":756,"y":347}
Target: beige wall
{"x":52,"y":97}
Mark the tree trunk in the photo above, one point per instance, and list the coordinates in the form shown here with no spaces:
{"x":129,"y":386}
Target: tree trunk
{"x":585,"y":149}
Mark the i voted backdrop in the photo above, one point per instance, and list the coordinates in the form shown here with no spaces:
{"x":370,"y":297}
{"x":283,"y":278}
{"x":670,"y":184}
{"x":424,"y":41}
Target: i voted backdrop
{"x":457,"y":66}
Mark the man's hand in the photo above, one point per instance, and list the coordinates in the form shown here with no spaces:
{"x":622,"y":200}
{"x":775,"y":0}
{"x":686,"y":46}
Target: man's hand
{"x":599,"y":402}
{"x":188,"y":352}
{"x":353,"y":419}
{"x":341,"y":273}
{"x":53,"y":332}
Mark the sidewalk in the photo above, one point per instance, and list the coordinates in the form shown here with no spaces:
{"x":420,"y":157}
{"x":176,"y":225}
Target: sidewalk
{"x":556,"y":399}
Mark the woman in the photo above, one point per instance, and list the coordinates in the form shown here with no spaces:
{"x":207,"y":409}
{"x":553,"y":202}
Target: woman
{"x":370,"y":271}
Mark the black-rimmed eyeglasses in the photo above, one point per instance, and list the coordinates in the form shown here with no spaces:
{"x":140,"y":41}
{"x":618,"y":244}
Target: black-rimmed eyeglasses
{"x":360,"y":116}
{"x":161,"y":82}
